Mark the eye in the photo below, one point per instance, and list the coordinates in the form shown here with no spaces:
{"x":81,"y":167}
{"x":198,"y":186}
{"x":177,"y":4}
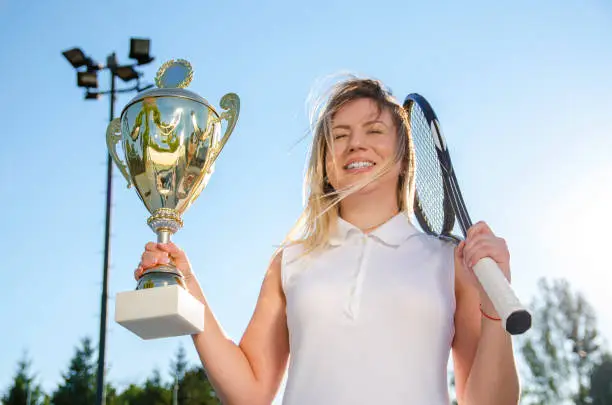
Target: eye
{"x":376,"y":129}
{"x":339,"y":136}
{"x":375,"y":132}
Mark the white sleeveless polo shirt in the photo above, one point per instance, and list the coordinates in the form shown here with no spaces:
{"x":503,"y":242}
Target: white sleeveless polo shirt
{"x":370,"y":318}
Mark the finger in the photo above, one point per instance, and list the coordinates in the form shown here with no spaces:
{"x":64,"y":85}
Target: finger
{"x":150,"y":259}
{"x":459,"y":251}
{"x":169,"y":247}
{"x":485,"y":248}
{"x":138,"y":272}
{"x":176,"y":253}
{"x":151,"y":247}
{"x":475,"y":249}
{"x":475,"y":239}
{"x":480,"y":227}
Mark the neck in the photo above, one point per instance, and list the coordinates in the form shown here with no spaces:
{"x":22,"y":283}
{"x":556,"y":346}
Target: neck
{"x":368,"y":212}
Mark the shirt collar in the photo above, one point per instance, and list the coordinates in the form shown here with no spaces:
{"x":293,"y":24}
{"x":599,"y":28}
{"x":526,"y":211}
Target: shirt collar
{"x":393,"y":232}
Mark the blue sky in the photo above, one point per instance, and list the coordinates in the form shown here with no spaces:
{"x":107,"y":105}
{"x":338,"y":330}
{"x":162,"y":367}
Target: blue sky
{"x":522,"y":90}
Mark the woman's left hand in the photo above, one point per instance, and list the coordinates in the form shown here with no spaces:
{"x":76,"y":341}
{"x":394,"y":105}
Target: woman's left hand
{"x":482,"y":242}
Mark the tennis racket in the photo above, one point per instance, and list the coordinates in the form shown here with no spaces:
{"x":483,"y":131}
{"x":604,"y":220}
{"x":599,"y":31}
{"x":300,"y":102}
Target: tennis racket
{"x":439,"y":205}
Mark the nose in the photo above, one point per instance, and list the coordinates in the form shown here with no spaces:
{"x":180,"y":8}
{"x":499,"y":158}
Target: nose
{"x":356,"y":141}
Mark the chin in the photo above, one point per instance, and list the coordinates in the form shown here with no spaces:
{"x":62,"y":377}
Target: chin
{"x":377,"y":186}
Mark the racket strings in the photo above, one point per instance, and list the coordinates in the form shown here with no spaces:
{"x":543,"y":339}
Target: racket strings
{"x":429,"y":183}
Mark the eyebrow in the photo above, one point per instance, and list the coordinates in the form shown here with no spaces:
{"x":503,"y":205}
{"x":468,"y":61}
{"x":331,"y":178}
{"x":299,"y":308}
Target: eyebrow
{"x":365,"y":124}
{"x":374,"y":122}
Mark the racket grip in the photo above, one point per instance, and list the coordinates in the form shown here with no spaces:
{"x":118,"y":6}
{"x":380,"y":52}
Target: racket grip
{"x":515,"y":318}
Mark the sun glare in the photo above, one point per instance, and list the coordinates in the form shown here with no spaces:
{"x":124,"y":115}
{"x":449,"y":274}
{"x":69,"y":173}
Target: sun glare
{"x":576,"y":236}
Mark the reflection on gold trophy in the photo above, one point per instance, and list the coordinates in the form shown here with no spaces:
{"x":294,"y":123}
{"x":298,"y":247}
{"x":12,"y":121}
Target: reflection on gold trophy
{"x":171,"y":138}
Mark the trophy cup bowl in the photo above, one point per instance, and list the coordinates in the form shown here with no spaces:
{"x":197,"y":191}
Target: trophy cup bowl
{"x":170,"y":138}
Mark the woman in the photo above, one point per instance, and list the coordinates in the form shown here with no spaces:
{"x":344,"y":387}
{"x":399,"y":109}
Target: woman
{"x":368,"y":307}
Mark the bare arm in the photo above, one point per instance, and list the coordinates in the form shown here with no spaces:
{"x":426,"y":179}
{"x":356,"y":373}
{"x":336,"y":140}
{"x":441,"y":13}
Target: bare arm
{"x":485,"y":369}
{"x":250,"y":372}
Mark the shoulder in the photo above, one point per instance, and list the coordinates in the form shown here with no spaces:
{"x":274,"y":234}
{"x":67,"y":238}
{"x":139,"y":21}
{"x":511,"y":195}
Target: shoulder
{"x":272,"y":275}
{"x":290,"y":252}
{"x":295,"y":259}
{"x":285,"y":254}
{"x":284,"y":259}
{"x":442,"y":248}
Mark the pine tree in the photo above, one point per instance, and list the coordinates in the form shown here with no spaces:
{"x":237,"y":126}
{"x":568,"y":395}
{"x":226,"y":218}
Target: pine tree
{"x":177,"y":371}
{"x":196,"y":389}
{"x":153,"y":392}
{"x":132,"y":395}
{"x":79,"y":385}
{"x":23,"y":390}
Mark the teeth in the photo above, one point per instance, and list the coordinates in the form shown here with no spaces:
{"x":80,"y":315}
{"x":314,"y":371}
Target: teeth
{"x":358,"y":165}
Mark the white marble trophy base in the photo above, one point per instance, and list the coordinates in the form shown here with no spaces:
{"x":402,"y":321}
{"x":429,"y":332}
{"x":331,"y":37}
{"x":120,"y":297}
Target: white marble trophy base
{"x":159,"y":312}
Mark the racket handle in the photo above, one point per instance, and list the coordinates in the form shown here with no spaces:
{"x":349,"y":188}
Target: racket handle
{"x":515,"y":318}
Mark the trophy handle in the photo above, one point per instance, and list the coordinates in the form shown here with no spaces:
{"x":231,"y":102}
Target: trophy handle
{"x":231,"y":103}
{"x":113,"y":136}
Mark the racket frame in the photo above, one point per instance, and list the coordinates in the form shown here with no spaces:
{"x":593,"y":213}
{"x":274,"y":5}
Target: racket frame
{"x":516,"y":319}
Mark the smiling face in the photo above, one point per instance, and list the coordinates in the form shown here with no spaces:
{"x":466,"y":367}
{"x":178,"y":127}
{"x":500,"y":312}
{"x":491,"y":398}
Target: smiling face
{"x":361,"y":147}
{"x":363,"y":140}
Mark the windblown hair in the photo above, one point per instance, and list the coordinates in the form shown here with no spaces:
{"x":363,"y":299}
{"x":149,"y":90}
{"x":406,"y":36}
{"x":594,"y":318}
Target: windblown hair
{"x":321,"y":210}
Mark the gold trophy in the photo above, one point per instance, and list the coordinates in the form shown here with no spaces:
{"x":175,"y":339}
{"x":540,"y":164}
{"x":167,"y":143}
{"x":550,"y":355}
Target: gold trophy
{"x":170,"y":139}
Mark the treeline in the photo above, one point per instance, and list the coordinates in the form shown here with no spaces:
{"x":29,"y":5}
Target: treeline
{"x":188,"y":386}
{"x":562,"y":360}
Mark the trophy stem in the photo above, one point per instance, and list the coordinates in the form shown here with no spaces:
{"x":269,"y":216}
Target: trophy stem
{"x":163,"y":236}
{"x":164,"y":222}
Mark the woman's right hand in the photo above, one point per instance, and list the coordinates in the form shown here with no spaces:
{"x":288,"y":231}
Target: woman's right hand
{"x":156,"y":254}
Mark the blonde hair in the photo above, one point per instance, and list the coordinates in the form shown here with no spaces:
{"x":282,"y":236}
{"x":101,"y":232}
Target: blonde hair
{"x":321,"y":210}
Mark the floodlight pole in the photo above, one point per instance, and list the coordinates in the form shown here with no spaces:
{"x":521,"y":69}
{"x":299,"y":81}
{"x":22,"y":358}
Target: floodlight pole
{"x":112,"y":66}
{"x":101,"y":374}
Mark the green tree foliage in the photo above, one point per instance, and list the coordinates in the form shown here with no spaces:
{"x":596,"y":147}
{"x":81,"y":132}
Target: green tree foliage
{"x":153,"y":392}
{"x":600,"y":390}
{"x":179,"y":365}
{"x":79,"y":382}
{"x":130,"y":396}
{"x":23,"y":390}
{"x":562,"y":347}
{"x":177,"y":372}
{"x":195,"y":389}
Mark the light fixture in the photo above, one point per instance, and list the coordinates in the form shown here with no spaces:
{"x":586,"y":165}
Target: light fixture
{"x":76,"y":57}
{"x":126,"y":73}
{"x":139,"y":50}
{"x":92,"y":95}
{"x":87,"y":79}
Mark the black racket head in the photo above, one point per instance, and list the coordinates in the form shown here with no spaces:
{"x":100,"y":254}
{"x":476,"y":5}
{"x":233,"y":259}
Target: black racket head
{"x":432,"y":204}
